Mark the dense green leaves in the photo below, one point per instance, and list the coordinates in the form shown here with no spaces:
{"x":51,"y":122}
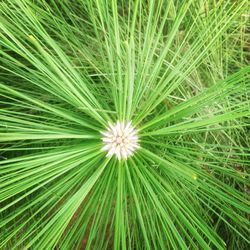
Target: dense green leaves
{"x":179,"y":70}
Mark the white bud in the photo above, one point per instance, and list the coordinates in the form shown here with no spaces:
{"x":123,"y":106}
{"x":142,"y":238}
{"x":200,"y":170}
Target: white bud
{"x":120,"y":139}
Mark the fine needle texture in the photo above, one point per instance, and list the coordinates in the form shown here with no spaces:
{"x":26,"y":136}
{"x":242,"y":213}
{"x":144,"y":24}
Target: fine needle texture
{"x":124,"y":124}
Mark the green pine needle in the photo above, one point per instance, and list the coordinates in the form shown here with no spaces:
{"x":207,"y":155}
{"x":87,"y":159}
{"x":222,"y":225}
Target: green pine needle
{"x":178,"y":70}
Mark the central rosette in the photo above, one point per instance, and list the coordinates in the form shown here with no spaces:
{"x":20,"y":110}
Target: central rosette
{"x":120,"y":139}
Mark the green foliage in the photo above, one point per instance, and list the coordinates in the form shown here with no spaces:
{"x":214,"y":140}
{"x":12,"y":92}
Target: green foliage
{"x":179,"y":70}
